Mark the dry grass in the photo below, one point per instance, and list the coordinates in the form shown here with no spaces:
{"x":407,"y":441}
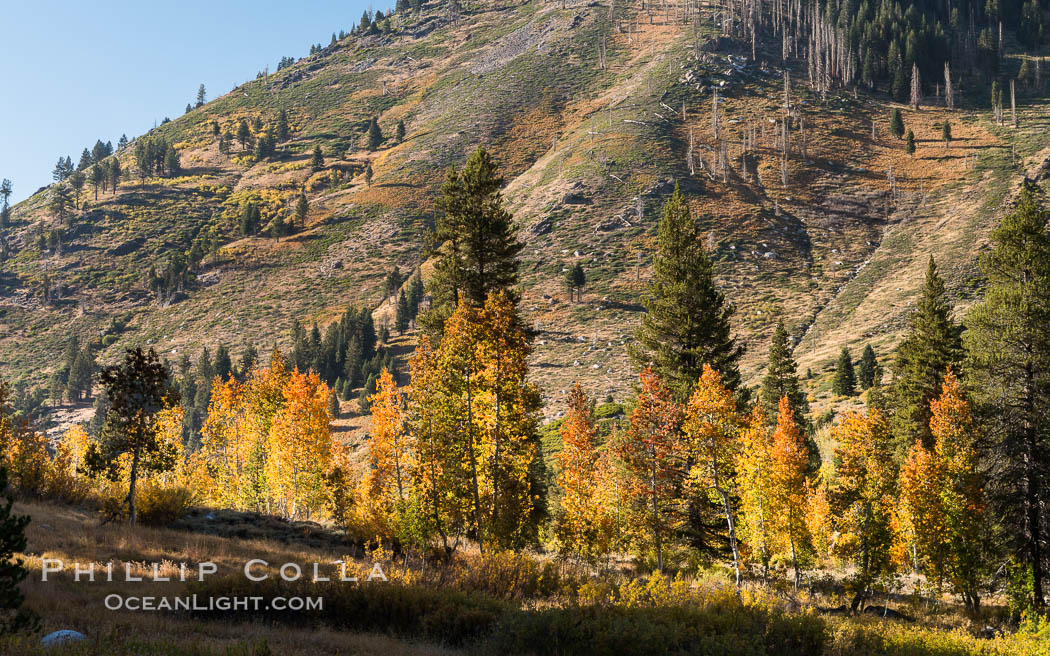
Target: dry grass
{"x":76,"y":536}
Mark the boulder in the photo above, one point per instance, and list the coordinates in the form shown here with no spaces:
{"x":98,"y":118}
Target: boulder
{"x":62,"y":637}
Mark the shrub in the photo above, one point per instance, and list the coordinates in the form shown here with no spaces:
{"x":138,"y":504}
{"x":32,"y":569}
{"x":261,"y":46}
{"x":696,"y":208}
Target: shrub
{"x":157,"y":505}
{"x":445,"y":616}
{"x":726,"y":628}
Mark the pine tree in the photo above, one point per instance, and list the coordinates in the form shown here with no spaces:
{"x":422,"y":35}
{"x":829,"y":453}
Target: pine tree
{"x":115,"y":174}
{"x":244,"y":133}
{"x":478,"y":239}
{"x":223,"y":365}
{"x":1008,"y":343}
{"x":400,"y":130}
{"x":844,"y":382}
{"x":896,"y":123}
{"x":402,"y":318}
{"x":946,"y":132}
{"x":98,"y":176}
{"x":76,"y":182}
{"x":172,"y":166}
{"x":13,"y":618}
{"x":368,"y":174}
{"x":867,"y":368}
{"x":909,"y":142}
{"x":375,"y":135}
{"x":781,"y":381}
{"x":687,"y":320}
{"x":302,"y":208}
{"x":137,"y":390}
{"x":317,"y":160}
{"x":931,"y":345}
{"x":571,"y":282}
{"x":201,"y":95}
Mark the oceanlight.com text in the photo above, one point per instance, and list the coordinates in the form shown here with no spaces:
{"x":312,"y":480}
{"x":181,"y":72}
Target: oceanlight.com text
{"x":204,"y":604}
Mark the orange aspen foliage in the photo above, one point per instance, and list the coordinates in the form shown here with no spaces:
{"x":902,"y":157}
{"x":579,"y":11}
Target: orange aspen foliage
{"x":650,"y":452}
{"x":583,"y":527}
{"x":964,"y":506}
{"x":299,"y":447}
{"x":753,"y":480}
{"x":266,"y":443}
{"x":789,"y":459}
{"x":711,"y":432}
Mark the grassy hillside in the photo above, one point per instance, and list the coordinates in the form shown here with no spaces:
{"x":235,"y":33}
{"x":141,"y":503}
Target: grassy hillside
{"x":495,"y":604}
{"x":590,"y":149}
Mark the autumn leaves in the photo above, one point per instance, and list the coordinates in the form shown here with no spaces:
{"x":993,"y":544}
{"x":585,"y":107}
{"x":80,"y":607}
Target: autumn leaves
{"x":455,"y":456}
{"x":679,"y":463}
{"x":266,"y":444}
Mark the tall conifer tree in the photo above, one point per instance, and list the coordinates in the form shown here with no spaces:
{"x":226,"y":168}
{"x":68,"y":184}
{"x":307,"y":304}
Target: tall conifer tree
{"x":781,"y":381}
{"x":932,"y":344}
{"x":1008,"y":343}
{"x":687,"y":320}
{"x":478,"y":240}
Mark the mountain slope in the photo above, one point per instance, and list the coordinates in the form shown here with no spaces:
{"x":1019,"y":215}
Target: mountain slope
{"x":589,"y":149}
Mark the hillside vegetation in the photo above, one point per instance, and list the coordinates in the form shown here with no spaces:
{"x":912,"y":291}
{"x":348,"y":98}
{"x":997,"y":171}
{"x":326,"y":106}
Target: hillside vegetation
{"x":593,"y":113}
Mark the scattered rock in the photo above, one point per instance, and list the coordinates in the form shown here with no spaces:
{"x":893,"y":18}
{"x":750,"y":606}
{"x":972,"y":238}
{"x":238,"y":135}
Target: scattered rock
{"x":573,"y":198}
{"x":541,"y":227}
{"x":130,"y":246}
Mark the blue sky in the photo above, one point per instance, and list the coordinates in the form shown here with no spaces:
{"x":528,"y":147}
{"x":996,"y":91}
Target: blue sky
{"x":72,"y":72}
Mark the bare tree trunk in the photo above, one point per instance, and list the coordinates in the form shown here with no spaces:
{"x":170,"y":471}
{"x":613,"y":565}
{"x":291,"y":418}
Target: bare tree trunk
{"x":1013,"y":104}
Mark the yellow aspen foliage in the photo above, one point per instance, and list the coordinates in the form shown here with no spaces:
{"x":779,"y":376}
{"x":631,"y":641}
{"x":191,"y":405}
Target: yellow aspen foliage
{"x":584,"y":526}
{"x":819,"y":518}
{"x":711,"y":433}
{"x":438,"y":478}
{"x":864,"y":499}
{"x":389,"y":453}
{"x":484,"y":414}
{"x":226,"y":443}
{"x":508,"y":406}
{"x":266,"y":443}
{"x":72,"y":447}
{"x":789,"y":460}
{"x":23,"y":451}
{"x":753,"y":480}
{"x":650,"y":453}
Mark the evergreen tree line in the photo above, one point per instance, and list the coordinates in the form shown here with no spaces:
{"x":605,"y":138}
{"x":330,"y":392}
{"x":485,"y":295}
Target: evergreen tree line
{"x":154,"y":156}
{"x":880,"y":43}
{"x":1000,"y":354}
{"x":88,"y":158}
{"x":74,"y":377}
{"x":347,"y":356}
